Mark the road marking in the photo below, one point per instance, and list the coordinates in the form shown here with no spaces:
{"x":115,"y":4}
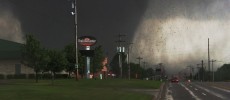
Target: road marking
{"x":222,"y":89}
{"x":204,"y":94}
{"x":196,"y":89}
{"x":190,"y":92}
{"x":212,"y":92}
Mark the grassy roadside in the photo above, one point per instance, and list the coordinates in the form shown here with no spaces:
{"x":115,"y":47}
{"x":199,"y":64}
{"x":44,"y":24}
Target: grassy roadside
{"x":72,"y":90}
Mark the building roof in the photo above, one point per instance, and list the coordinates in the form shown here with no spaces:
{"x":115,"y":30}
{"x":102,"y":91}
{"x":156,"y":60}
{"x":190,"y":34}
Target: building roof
{"x":10,"y":50}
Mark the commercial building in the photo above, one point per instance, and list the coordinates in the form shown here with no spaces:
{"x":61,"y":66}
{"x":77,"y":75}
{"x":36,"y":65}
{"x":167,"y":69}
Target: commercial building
{"x":10,"y":59}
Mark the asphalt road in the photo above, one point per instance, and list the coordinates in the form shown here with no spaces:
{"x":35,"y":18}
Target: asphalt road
{"x":195,"y":91}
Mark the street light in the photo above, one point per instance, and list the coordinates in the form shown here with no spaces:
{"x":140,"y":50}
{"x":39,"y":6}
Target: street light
{"x":74,"y":5}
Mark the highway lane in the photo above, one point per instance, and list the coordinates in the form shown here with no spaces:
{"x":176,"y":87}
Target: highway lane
{"x":195,"y":91}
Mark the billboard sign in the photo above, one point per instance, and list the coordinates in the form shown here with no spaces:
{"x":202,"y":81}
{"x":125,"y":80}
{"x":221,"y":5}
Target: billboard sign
{"x":87,"y":41}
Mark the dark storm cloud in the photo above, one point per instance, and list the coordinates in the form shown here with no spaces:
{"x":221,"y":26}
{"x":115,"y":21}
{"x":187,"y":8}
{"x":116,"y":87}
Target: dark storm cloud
{"x":49,"y":20}
{"x":53,"y":24}
{"x":105,"y":19}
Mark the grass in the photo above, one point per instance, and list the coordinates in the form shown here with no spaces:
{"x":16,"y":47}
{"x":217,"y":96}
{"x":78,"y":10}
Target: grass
{"x":76,"y":90}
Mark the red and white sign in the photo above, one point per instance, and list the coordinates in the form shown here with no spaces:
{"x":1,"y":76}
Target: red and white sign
{"x":87,"y":41}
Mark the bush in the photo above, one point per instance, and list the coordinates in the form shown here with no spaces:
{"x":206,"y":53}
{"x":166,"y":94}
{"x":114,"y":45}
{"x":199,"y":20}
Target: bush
{"x":10,"y":76}
{"x":20,"y":76}
{"x":31,"y":76}
{"x":61,"y":76}
{"x":2,"y":76}
{"x":46,"y":76}
{"x":16,"y":76}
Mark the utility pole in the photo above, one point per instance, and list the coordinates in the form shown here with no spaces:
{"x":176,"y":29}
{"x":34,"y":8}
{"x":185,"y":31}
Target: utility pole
{"x":202,"y":66}
{"x":120,"y":51}
{"x":128,"y":60}
{"x":209,"y":77}
{"x":144,"y":64}
{"x":213,"y":71}
{"x":139,"y":58}
{"x":74,"y":6}
{"x":191,"y":71}
{"x":198,"y":72}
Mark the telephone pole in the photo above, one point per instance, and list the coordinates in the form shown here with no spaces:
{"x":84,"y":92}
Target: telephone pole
{"x":198,"y":72}
{"x":144,"y":64}
{"x":74,"y":6}
{"x":209,"y":76}
{"x":213,"y":70}
{"x":120,"y":50}
{"x":203,"y":71}
{"x":139,"y":58}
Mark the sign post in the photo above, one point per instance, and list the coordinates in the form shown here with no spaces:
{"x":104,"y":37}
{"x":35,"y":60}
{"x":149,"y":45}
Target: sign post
{"x":87,"y":41}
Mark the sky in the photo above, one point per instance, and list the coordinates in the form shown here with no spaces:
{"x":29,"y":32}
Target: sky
{"x":172,"y":32}
{"x":52,"y":23}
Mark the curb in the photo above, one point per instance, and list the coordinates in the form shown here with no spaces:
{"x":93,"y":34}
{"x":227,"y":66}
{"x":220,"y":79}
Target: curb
{"x":158,"y":97}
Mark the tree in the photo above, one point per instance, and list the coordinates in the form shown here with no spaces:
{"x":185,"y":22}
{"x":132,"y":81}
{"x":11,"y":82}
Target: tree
{"x":149,"y":72}
{"x":222,"y":73}
{"x":31,"y":53}
{"x":136,"y":70}
{"x":57,"y":62}
{"x":97,"y":59}
{"x":115,"y":64}
{"x":70,"y":55}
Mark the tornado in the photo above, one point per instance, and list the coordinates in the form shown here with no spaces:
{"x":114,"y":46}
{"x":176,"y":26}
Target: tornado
{"x":176,"y":32}
{"x":10,"y":26}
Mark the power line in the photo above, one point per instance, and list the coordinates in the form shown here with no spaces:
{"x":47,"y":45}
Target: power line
{"x":120,"y":50}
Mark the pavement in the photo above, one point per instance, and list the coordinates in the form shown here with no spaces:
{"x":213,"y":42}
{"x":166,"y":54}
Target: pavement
{"x":194,"y":91}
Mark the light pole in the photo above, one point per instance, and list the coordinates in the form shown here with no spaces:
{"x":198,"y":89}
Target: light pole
{"x":74,"y":5}
{"x":120,"y":51}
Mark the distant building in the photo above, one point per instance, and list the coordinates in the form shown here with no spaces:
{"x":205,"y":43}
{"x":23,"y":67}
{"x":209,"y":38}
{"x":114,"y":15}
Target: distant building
{"x":10,"y":59}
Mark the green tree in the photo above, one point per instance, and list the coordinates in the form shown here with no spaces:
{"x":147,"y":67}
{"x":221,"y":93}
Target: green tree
{"x":149,"y":72}
{"x":44,"y":60}
{"x":222,"y":73}
{"x":136,"y":71}
{"x":57,"y":62}
{"x":70,"y":55}
{"x":115,"y":65}
{"x":97,"y":59}
{"x":31,"y":54}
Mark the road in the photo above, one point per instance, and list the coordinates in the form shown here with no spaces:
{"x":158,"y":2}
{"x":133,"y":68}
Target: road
{"x":195,"y":91}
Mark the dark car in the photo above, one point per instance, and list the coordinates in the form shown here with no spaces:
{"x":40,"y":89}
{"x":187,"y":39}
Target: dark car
{"x":175,"y":80}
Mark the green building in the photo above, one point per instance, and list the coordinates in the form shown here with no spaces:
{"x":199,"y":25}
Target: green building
{"x":10,"y":59}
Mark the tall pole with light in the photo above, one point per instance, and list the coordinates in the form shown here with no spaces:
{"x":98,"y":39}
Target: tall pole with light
{"x":74,"y":5}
